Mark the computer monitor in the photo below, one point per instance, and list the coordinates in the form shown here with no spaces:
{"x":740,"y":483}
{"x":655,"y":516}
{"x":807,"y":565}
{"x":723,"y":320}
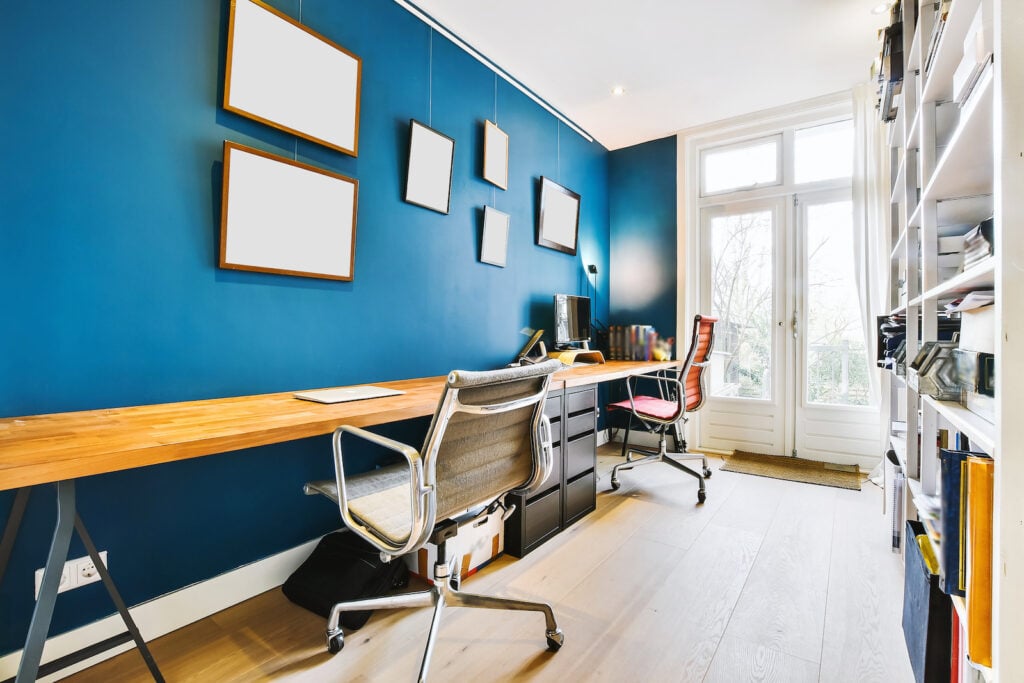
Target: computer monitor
{"x":572,"y":319}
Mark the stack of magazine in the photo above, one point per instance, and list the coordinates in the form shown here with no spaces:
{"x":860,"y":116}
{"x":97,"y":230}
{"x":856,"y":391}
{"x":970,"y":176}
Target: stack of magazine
{"x":978,"y":243}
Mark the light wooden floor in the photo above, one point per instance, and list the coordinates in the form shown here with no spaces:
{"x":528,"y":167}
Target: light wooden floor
{"x":768,"y":581}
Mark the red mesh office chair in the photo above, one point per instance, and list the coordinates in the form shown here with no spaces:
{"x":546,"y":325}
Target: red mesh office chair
{"x":679,"y":392}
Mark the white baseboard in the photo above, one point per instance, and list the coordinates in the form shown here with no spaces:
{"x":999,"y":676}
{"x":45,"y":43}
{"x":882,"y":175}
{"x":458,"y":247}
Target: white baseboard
{"x":169,"y":612}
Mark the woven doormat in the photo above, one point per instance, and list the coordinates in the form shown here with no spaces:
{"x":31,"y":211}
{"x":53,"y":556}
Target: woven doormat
{"x":794,"y":469}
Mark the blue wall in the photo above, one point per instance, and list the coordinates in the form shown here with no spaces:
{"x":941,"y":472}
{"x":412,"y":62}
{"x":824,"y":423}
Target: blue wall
{"x":109,"y":224}
{"x":642,"y":219}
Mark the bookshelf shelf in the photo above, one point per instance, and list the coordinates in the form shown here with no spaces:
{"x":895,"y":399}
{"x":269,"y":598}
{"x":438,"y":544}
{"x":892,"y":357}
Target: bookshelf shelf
{"x":914,"y":60}
{"x":899,"y":186}
{"x":966,"y":210}
{"x":981,"y":432}
{"x":927,"y":505}
{"x":979,"y":276}
{"x":938,"y":85}
{"x":966,"y":165}
{"x":897,"y":250}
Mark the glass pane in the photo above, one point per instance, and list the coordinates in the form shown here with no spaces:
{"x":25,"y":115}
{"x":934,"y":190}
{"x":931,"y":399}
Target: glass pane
{"x":743,"y":293}
{"x":736,"y":168}
{"x":823,"y":152}
{"x":837,"y":365}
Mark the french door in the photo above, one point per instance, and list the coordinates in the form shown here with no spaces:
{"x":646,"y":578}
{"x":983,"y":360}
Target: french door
{"x":789,"y":368}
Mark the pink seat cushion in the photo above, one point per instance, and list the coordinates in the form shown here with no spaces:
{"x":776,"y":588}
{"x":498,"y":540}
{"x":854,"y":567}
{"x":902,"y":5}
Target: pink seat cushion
{"x":649,"y":406}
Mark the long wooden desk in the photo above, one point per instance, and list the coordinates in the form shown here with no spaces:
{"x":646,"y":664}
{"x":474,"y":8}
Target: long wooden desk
{"x":46,"y":448}
{"x":62,"y":447}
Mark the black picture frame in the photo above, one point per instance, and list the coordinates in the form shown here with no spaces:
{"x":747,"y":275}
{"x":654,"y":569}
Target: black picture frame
{"x":558,"y":217}
{"x":428,"y":179}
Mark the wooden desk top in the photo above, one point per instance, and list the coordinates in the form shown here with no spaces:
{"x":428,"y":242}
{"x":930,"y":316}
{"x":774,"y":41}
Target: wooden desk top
{"x":44,"y":448}
{"x":608,"y":371}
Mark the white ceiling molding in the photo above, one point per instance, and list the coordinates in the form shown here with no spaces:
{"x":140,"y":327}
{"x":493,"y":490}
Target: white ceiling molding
{"x":476,"y":54}
{"x":682,"y":63}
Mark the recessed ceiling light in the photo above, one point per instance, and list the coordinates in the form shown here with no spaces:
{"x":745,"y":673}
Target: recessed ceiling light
{"x":881,"y":8}
{"x":618,"y":91}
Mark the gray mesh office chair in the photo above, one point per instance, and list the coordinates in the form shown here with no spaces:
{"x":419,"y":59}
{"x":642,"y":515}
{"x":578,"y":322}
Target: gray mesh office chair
{"x":489,"y":436}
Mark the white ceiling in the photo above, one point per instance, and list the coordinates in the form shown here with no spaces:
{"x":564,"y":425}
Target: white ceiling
{"x":682,"y":62}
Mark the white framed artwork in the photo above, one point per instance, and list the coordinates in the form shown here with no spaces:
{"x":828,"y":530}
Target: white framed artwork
{"x":282,"y":216}
{"x":429,"y":179}
{"x":494,"y":243}
{"x":559,"y":217}
{"x":495,"y":155}
{"x":285,"y":75}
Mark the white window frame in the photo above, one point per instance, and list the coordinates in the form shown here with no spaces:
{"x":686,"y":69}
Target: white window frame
{"x":691,"y":142}
{"x":752,"y":142}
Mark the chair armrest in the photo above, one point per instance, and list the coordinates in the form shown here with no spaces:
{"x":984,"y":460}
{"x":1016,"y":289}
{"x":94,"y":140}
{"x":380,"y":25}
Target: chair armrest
{"x":421,"y":504}
{"x":664,"y":387}
{"x":543,"y":468}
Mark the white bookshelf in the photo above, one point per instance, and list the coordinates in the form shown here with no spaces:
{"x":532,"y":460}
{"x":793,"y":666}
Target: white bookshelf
{"x":955,"y":166}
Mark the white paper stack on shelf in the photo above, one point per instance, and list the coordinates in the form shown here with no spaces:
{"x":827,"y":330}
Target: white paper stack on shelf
{"x":977,"y":245}
{"x":972,"y":300}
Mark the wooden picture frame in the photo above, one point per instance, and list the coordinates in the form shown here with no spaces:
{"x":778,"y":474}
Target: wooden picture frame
{"x":428,"y":182}
{"x":495,"y":169}
{"x":558,"y":220}
{"x":282,"y":216}
{"x":494,"y":242}
{"x":267,"y":53}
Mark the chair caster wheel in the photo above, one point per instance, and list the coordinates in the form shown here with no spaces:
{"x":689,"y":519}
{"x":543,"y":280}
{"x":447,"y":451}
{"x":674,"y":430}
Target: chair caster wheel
{"x":615,"y":484}
{"x":701,"y":497}
{"x":335,"y":643}
{"x":555,"y":640}
{"x":707,"y":472}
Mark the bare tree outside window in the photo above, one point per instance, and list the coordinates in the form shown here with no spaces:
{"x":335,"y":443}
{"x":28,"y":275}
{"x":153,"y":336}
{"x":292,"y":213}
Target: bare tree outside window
{"x":742,"y":298}
{"x":837,"y":367}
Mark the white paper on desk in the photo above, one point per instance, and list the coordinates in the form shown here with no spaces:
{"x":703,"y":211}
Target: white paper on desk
{"x":972,"y":300}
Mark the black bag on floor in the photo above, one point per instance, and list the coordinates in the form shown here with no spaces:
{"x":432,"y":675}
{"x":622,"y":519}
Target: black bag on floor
{"x":343,"y":567}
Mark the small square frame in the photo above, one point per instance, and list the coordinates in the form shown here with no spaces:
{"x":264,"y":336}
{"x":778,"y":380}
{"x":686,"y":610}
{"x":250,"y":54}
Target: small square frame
{"x":428,"y":182}
{"x":495,"y":168}
{"x":494,"y":243}
{"x":558,"y":220}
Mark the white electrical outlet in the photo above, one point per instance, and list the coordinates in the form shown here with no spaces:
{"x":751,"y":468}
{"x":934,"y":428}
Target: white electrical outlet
{"x":78,"y":572}
{"x":86,"y":570}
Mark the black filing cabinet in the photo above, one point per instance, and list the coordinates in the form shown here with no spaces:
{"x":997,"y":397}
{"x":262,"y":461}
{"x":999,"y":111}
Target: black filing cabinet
{"x":570,"y":492}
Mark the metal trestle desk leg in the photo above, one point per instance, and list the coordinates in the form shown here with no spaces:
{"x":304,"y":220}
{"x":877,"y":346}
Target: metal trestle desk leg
{"x":67,"y":521}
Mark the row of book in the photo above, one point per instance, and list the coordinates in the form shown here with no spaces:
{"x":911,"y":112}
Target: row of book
{"x":965,"y":541}
{"x":637,"y":342}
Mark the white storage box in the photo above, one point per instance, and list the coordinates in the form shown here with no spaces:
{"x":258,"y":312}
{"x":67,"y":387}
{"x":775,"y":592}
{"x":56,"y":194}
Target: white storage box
{"x":477,"y":543}
{"x":954,"y":244}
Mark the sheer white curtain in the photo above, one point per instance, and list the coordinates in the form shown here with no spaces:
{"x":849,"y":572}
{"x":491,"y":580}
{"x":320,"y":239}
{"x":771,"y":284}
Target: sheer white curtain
{"x":870,"y":217}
